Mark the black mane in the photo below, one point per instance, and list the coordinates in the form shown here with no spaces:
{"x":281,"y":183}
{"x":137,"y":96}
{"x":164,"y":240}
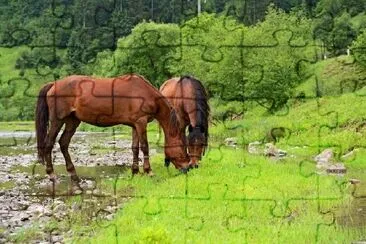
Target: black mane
{"x":203,"y":109}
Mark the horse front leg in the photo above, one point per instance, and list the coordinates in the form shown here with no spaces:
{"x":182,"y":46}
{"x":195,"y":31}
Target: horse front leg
{"x":135,"y":152}
{"x":141,"y":131}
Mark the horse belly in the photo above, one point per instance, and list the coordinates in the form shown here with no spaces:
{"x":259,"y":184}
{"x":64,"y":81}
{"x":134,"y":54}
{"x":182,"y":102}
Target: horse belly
{"x":109,"y":111}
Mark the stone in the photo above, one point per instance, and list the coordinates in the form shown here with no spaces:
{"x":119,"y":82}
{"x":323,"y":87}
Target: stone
{"x":324,"y":157}
{"x":354,"y":181}
{"x":337,"y":168}
{"x":270,"y":150}
{"x":253,"y":147}
{"x":231,"y":141}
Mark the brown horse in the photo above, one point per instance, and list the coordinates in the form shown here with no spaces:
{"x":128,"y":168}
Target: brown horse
{"x":189,"y":98}
{"x":130,"y":100}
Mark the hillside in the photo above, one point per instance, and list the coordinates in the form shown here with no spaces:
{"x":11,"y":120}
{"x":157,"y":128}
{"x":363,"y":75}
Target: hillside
{"x":335,"y":76}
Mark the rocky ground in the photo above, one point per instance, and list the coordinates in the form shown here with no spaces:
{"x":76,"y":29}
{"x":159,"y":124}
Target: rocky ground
{"x":28,"y":198}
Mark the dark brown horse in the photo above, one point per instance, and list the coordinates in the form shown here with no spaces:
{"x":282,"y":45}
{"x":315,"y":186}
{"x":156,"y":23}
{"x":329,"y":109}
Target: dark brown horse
{"x":130,"y":100}
{"x":189,"y":98}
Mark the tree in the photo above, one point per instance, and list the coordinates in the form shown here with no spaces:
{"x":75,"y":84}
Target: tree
{"x":145,"y":51}
{"x":264,"y":69}
{"x":359,"y":48}
{"x":343,"y":33}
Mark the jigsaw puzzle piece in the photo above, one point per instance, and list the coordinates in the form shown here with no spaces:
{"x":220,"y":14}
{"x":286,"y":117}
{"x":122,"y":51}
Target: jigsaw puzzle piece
{"x":317,"y":224}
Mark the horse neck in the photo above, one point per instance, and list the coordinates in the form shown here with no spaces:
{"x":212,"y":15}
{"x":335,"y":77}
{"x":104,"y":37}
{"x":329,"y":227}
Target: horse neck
{"x":163,"y":117}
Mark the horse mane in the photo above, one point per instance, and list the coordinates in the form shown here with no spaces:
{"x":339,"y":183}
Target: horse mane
{"x":173,"y":123}
{"x":203,"y":109}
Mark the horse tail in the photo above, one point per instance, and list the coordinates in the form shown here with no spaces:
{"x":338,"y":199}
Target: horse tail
{"x":42,"y":116}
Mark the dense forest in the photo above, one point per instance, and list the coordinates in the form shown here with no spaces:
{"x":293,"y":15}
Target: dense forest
{"x":258,"y":50}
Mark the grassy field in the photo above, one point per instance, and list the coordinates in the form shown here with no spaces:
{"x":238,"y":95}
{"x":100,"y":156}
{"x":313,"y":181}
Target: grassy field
{"x":237,"y":197}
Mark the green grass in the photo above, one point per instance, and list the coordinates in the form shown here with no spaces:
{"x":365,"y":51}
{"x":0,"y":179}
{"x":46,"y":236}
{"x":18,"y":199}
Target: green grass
{"x":358,"y":20}
{"x":7,"y":61}
{"x":17,"y":126}
{"x":236,"y":197}
{"x":318,"y":124}
{"x":335,"y":76}
{"x":8,"y":72}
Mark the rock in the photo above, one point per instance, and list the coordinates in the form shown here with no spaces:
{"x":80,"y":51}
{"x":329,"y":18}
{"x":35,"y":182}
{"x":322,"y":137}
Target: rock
{"x":337,"y":168}
{"x":324,"y":163}
{"x":282,"y":153}
{"x":253,"y":147}
{"x":56,"y":238}
{"x":35,"y":208}
{"x":97,"y":192}
{"x":231,"y":141}
{"x":324,"y":157}
{"x":270,"y":150}
{"x":354,"y":181}
{"x":347,"y":155}
{"x":61,"y":207}
{"x":109,"y":217}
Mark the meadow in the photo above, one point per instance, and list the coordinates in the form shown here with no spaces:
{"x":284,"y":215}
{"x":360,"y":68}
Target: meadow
{"x":235,"y":196}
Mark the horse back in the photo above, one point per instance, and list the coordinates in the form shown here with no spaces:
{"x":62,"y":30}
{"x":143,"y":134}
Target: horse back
{"x":107,"y":100}
{"x":181,"y":95}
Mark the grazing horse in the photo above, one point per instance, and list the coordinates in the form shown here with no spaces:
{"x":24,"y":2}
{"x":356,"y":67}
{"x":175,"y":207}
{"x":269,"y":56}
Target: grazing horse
{"x":129,"y":99}
{"x":189,"y":98}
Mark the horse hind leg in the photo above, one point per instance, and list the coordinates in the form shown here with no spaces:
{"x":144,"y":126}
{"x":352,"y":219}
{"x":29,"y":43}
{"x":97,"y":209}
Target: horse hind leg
{"x":55,"y":128}
{"x":71,"y":124}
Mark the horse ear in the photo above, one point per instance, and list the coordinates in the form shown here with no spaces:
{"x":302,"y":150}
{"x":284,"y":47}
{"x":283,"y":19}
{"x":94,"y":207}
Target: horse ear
{"x":190,"y":128}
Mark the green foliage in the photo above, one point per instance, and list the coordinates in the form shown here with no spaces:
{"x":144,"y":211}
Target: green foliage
{"x":141,"y":52}
{"x":335,"y":76}
{"x":222,"y":111}
{"x":259,"y":72}
{"x":358,"y":48}
{"x":279,"y":62}
{"x":207,"y":46}
{"x":343,"y":33}
{"x":335,"y":26}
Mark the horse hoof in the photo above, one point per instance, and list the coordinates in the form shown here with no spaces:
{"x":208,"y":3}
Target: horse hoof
{"x":75,"y":178}
{"x":75,"y":188}
{"x":135,"y":171}
{"x":167,"y":162}
{"x":184,"y":170}
{"x":52,"y":177}
{"x":191,"y":166}
{"x":149,"y":172}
